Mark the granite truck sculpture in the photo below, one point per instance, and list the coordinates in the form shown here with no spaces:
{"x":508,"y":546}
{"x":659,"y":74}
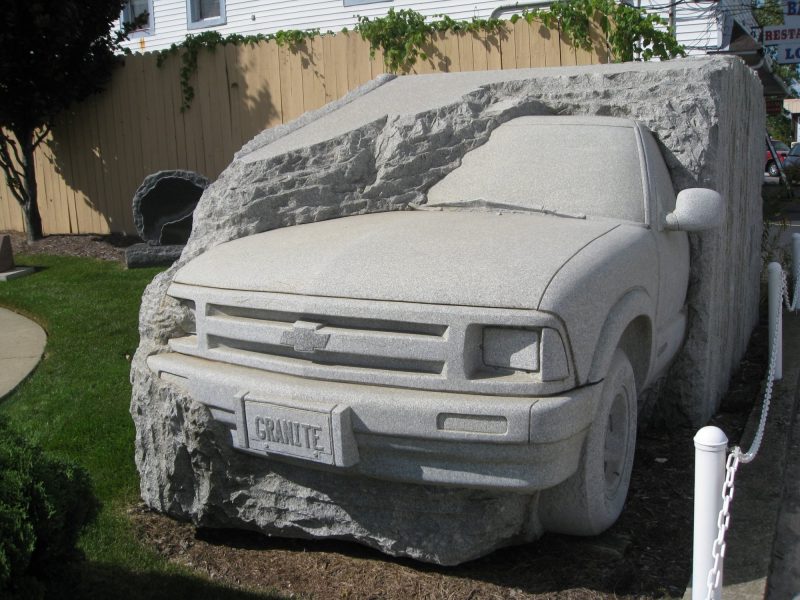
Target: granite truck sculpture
{"x":496,"y":337}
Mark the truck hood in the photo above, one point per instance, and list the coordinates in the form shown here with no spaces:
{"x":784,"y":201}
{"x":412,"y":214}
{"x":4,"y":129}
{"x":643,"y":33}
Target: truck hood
{"x":459,"y":258}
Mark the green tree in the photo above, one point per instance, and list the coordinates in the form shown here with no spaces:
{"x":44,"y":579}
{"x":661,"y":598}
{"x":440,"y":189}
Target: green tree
{"x":52,"y":54}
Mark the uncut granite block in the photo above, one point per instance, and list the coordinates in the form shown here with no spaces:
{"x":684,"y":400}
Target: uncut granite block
{"x":381,"y":148}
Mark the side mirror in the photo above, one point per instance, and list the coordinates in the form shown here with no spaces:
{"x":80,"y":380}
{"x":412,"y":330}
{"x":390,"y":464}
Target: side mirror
{"x":696,"y":209}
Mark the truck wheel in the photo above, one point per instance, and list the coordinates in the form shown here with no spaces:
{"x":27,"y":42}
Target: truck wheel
{"x":590,"y":501}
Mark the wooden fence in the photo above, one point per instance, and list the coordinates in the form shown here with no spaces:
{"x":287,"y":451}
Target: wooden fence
{"x":98,"y":153}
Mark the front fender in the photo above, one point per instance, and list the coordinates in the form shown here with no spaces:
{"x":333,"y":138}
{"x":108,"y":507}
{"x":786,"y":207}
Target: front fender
{"x":629,"y":324}
{"x":599,"y":292}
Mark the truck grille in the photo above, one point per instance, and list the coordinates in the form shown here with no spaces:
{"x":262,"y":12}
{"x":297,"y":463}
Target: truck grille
{"x":358,"y":341}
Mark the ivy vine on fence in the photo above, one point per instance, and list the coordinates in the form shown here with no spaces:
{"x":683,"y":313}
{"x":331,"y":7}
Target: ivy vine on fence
{"x":402,"y":35}
{"x":209,"y":40}
{"x":630,"y":34}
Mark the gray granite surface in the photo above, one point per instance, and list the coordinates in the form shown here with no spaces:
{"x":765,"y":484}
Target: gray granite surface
{"x":152,"y":255}
{"x":383,"y":151}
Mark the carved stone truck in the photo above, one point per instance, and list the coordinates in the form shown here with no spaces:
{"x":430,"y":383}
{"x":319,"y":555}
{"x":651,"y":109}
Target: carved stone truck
{"x":496,"y":337}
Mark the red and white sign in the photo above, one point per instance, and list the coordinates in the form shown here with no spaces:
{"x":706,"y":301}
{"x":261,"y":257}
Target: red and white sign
{"x":780,"y":34}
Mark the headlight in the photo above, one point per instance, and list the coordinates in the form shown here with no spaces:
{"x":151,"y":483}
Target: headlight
{"x":507,"y":348}
{"x":188,"y":322}
{"x":526,"y":350}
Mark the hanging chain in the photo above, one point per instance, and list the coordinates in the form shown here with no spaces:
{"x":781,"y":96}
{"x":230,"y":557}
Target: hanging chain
{"x":791,"y":305}
{"x":785,"y":292}
{"x":796,"y":292}
{"x":737,"y":456}
{"x":748,"y":456}
{"x":723,"y":522}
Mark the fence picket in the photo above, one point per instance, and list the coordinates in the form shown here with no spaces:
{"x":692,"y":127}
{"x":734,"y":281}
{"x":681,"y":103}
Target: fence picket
{"x":522,"y":44}
{"x":568,"y":57}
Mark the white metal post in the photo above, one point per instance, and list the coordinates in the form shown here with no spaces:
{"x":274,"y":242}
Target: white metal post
{"x":710,"y":444}
{"x":796,"y":265}
{"x":775,"y":308}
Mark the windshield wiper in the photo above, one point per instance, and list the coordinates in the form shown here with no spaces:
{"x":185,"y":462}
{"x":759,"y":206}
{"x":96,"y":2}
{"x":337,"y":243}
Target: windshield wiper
{"x":481,"y":204}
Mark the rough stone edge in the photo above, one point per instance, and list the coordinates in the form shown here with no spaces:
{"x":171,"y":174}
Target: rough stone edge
{"x":149,"y":255}
{"x":268,"y":136}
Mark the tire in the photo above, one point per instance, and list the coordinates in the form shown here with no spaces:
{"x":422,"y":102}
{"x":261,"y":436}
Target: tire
{"x":591,"y":500}
{"x":772,"y":169}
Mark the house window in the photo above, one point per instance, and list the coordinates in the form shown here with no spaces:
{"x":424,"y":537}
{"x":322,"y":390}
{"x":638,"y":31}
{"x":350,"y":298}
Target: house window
{"x":133,"y":10}
{"x":205,"y":13}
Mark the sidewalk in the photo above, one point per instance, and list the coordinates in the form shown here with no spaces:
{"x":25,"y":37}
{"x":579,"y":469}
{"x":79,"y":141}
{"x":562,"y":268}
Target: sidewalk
{"x":759,"y":544}
{"x":784,"y":575}
{"x":21,"y":346}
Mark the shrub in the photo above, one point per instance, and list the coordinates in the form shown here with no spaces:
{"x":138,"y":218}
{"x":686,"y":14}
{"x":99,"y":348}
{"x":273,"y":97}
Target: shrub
{"x":45,"y":503}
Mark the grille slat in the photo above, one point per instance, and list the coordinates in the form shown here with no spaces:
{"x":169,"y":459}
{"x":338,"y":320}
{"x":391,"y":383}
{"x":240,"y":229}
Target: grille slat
{"x":364,"y":347}
{"x":337,"y":321}
{"x":287,"y":360}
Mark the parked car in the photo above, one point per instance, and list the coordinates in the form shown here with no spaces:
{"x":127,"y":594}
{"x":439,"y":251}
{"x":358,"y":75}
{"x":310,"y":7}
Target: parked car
{"x":782,"y":150}
{"x":497,"y":337}
{"x":791,"y":164}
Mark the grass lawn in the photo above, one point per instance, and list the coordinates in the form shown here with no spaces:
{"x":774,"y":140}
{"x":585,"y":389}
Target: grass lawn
{"x":75,"y":405}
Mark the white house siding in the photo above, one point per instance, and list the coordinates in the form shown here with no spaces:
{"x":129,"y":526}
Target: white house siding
{"x":699,"y":24}
{"x":697,"y":28}
{"x":696,"y":24}
{"x":248,"y":17}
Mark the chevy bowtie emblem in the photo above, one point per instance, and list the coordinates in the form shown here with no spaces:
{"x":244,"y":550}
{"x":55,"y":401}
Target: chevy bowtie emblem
{"x":304,"y":337}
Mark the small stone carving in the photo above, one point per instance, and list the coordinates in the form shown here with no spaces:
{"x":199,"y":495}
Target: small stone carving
{"x":6,"y":255}
{"x":7,"y":269}
{"x":163,"y":206}
{"x":162,"y":211}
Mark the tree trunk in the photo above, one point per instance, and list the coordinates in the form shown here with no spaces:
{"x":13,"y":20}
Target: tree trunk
{"x":30,"y":207}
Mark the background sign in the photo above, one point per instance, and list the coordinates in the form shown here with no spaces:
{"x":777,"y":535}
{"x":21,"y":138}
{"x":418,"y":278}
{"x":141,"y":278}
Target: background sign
{"x":788,"y":55}
{"x":781,"y":34}
{"x":774,"y":105}
{"x":785,"y":38}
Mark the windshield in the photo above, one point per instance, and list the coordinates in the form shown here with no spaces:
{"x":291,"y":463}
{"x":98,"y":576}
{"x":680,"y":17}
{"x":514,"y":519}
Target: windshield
{"x":560,"y":165}
{"x":779,"y":146}
{"x":795,"y":151}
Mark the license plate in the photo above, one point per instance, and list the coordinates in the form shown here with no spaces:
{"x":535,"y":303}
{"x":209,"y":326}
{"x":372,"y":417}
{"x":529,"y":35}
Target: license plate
{"x":289,"y":431}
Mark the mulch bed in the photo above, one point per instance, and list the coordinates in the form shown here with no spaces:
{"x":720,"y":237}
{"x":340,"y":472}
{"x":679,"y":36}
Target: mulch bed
{"x":646,"y":554}
{"x":102,"y":247}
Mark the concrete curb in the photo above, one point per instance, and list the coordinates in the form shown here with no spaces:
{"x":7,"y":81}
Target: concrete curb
{"x":21,"y":347}
{"x":784,"y":572}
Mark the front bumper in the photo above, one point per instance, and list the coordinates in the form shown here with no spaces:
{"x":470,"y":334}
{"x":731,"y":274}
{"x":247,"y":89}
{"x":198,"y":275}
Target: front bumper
{"x":466,"y":440}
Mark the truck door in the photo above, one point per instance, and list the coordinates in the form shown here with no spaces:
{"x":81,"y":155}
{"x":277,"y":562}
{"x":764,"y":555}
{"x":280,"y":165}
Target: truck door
{"x":673,"y":257}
